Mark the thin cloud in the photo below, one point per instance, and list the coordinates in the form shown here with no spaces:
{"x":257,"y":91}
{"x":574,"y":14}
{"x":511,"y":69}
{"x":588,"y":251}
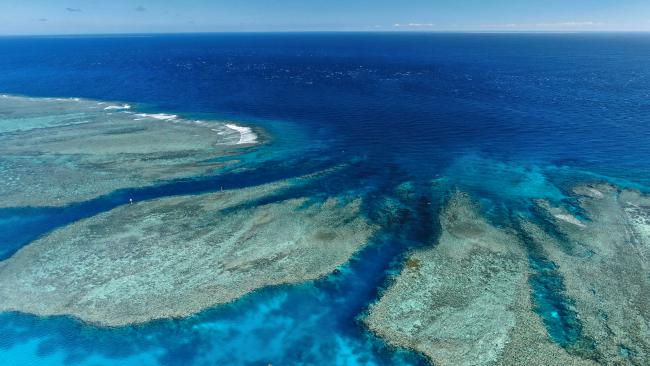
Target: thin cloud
{"x":568,"y":24}
{"x":140,"y":8}
{"x":41,"y":19}
{"x":413,"y":25}
{"x":73,"y":10}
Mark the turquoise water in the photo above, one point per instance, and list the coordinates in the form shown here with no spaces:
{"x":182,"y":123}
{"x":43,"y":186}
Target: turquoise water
{"x":508,"y":118}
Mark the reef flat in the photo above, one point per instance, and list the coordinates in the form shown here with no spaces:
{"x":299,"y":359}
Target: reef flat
{"x":54,"y":152}
{"x":173,"y":257}
{"x":466,"y":300}
{"x":603,"y":254}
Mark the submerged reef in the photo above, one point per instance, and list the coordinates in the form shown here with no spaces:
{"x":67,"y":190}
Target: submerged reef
{"x":561,"y":279}
{"x":567,"y":285}
{"x":54,"y":152}
{"x":466,"y":300}
{"x":173,"y":257}
{"x":604,"y":259}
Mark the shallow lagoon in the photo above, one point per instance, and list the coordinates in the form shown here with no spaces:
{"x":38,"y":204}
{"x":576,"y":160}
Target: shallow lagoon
{"x":438,"y":111}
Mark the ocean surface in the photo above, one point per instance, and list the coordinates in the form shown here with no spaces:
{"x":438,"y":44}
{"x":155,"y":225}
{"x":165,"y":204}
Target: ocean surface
{"x":506,"y":117}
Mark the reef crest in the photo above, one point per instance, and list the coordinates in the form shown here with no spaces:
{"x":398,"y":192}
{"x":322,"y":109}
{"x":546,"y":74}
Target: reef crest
{"x":54,"y":152}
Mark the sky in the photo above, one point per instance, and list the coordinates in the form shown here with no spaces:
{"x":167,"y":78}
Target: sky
{"x":171,"y":16}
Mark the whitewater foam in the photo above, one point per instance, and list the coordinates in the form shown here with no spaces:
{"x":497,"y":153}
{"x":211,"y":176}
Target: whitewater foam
{"x":117,"y":107}
{"x":159,"y":116}
{"x":246,"y":134}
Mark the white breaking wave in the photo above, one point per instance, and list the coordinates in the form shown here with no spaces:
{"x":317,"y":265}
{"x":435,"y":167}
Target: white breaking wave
{"x":246,"y":134}
{"x":60,"y":99}
{"x":113,"y":107}
{"x":160,"y":116}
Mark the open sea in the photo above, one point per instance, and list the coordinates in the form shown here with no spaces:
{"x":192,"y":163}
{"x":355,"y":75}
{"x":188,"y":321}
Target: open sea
{"x":506,"y":117}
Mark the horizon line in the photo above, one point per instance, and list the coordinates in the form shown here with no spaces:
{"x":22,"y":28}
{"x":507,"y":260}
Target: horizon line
{"x":405,"y":31}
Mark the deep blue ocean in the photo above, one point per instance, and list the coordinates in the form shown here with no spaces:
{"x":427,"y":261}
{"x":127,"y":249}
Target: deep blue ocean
{"x":507,"y":117}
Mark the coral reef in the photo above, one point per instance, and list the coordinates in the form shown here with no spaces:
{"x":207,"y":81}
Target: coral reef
{"x":54,"y":152}
{"x":466,"y":300}
{"x":605,"y":262}
{"x":173,"y":257}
